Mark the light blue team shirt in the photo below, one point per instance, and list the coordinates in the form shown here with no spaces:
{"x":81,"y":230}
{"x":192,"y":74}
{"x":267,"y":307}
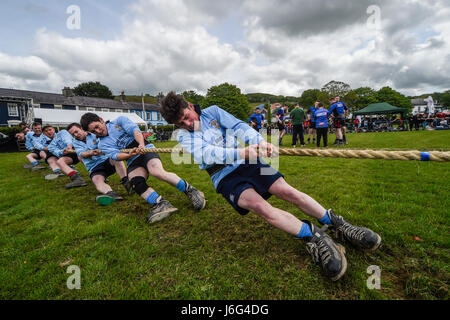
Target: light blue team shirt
{"x":60,"y":141}
{"x":120,"y":135}
{"x":41,"y":142}
{"x":91,"y":143}
{"x":212,"y":145}
{"x":29,"y":140}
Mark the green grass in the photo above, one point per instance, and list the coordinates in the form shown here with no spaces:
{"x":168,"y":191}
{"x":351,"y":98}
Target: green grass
{"x":217,"y":254}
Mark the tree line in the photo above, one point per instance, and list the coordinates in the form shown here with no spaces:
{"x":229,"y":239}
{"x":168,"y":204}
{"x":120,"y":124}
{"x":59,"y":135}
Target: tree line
{"x":230,"y":97}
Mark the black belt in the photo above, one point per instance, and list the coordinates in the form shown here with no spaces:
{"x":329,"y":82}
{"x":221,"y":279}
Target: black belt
{"x":215,"y":168}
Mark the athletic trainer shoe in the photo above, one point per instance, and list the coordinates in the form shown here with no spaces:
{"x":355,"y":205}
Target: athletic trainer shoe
{"x":108,"y":198}
{"x":327,"y":253}
{"x":362,"y":238}
{"x":77,"y":181}
{"x":161,"y":210}
{"x":38,"y":167}
{"x":197,"y":198}
{"x":28,"y":165}
{"x":53,"y":176}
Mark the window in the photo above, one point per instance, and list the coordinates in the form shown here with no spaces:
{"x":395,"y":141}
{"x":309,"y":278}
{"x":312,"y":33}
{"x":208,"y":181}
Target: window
{"x":105,"y":110}
{"x":58,"y":107}
{"x":119,"y":110}
{"x":13,"y":110}
{"x":90,"y":109}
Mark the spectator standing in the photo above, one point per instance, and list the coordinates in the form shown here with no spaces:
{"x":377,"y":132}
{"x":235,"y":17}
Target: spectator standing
{"x":297,"y":118}
{"x":321,"y":120}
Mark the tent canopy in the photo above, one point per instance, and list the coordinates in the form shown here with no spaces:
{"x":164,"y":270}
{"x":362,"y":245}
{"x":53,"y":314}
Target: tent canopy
{"x":61,"y":118}
{"x":380,"y":108}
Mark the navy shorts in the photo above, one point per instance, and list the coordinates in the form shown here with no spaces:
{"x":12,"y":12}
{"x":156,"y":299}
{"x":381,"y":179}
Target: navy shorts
{"x":37,"y":153}
{"x":141,"y":161}
{"x":280,"y":126}
{"x":105,"y":169}
{"x":247,"y":176}
{"x":72,"y":156}
{"x":48,"y":155}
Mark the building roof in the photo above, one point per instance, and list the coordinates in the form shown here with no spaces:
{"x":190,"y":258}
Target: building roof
{"x":417,"y":102}
{"x":54,"y":98}
{"x":65,"y":117}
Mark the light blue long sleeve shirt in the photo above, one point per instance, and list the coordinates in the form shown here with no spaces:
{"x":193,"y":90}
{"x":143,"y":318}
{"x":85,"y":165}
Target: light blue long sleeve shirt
{"x":120,"y":135}
{"x":29,"y":140}
{"x":91,"y":143}
{"x":216,"y":142}
{"x":41,"y":142}
{"x":60,"y":141}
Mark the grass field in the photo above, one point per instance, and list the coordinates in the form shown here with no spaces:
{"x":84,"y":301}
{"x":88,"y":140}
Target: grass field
{"x":217,"y":254}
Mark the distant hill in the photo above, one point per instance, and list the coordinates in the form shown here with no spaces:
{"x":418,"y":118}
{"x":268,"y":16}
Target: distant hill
{"x":267,"y":97}
{"x":147,"y":99}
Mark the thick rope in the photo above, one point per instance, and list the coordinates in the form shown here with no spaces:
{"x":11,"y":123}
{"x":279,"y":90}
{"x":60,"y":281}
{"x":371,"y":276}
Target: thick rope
{"x":440,"y":156}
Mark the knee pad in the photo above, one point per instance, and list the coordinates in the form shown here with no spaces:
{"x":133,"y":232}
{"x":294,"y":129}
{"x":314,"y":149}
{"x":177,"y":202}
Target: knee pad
{"x":139,"y":184}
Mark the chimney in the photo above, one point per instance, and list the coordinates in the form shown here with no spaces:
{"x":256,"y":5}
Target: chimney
{"x":122,"y":96}
{"x":67,"y":92}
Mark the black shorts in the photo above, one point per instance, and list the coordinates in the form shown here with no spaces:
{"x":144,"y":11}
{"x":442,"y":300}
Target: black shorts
{"x":37,"y":153}
{"x":141,"y":161}
{"x":247,"y":176}
{"x":72,"y":156}
{"x":280,"y":126}
{"x":339,"y":123}
{"x":312,"y":125}
{"x":105,"y":169}
{"x":48,"y":155}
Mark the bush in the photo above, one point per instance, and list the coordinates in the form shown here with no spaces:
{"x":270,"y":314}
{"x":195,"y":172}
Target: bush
{"x":10,"y":131}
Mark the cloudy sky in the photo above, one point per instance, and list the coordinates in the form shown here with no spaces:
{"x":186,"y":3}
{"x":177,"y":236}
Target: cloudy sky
{"x":279,"y":47}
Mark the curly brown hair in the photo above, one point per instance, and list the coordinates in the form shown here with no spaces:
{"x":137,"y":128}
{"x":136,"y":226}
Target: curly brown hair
{"x":172,"y":106}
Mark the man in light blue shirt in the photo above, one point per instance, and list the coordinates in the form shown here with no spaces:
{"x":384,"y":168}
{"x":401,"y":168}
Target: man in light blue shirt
{"x":62,"y":148}
{"x":33,"y":157}
{"x":99,"y":166}
{"x":246,"y":181}
{"x":42,"y":143}
{"x":122,"y":133}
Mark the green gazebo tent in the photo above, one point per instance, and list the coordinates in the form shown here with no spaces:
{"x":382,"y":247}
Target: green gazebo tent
{"x":381,"y":108}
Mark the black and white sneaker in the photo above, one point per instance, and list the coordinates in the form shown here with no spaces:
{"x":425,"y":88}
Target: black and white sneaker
{"x":359,"y":237}
{"x":327,"y":253}
{"x":161,"y":210}
{"x":196,"y":197}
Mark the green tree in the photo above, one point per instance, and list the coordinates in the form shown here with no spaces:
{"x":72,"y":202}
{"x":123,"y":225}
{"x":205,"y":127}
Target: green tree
{"x":308,"y":98}
{"x":445,"y":99}
{"x":360,"y":98}
{"x":335,"y":88}
{"x":395,"y":98}
{"x":193,"y":97}
{"x":229,"y":98}
{"x":93,"y":89}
